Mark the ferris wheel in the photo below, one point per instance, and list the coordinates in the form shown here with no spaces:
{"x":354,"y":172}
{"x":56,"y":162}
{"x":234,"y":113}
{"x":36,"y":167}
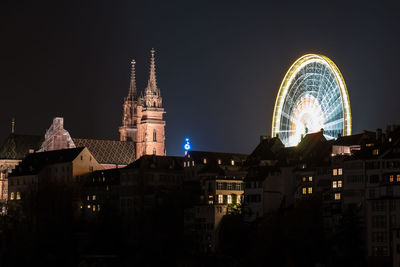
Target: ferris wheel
{"x":312,"y":96}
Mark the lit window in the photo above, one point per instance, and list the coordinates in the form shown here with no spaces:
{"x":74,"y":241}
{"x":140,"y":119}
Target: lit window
{"x":88,"y":206}
{"x":310,"y":178}
{"x":18,"y":195}
{"x":340,"y":171}
{"x":98,"y":207}
{"x":375,"y":152}
{"x":304,"y":190}
{"x":107,"y":188}
{"x":303,"y":179}
{"x":391,"y":178}
{"x":238,"y":200}
{"x":104,"y":179}
{"x":12,"y":196}
{"x":220,"y":199}
{"x":334,"y":172}
{"x":398,"y":177}
{"x":204,"y":161}
{"x":229,"y":199}
{"x":192,"y":162}
{"x":232,"y":162}
{"x":88,"y":198}
{"x":94,"y":197}
{"x":309,"y":190}
{"x":334,"y":184}
{"x":184,"y":164}
{"x":219,"y":162}
{"x":339,"y":184}
{"x":94,"y":208}
{"x":81,"y":206}
{"x":337,"y":196}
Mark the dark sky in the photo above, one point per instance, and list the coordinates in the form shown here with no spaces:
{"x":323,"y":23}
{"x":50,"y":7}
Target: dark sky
{"x":219,"y":63}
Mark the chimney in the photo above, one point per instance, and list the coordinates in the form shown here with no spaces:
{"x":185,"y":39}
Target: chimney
{"x":263,"y":137}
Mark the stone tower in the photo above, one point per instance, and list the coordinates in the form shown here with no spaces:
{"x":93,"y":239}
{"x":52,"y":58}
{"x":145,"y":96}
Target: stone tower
{"x":142,"y":120}
{"x":128,"y":130}
{"x":151,"y":129}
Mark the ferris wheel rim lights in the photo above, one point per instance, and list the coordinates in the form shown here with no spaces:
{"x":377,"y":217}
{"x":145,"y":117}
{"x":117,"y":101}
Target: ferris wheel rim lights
{"x":286,"y":84}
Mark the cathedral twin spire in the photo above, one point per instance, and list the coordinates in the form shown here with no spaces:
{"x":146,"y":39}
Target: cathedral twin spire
{"x":152,"y":83}
{"x":142,"y":121}
{"x":132,"y":95}
{"x":151,"y":90}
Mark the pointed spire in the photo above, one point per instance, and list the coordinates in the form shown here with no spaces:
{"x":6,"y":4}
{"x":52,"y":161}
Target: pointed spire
{"x":132,"y":86}
{"x":12,"y":125}
{"x":152,"y":83}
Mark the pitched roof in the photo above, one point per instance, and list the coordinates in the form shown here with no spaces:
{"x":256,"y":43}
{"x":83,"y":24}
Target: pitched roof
{"x":267,"y":149}
{"x":109,"y":151}
{"x":356,"y":139}
{"x":16,"y":146}
{"x":35,"y":162}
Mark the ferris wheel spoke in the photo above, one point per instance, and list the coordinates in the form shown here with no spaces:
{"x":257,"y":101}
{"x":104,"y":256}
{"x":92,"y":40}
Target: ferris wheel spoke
{"x":329,"y":124}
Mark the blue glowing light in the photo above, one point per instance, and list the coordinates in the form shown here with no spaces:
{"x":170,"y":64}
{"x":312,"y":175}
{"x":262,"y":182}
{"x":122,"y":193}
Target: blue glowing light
{"x":187,"y":145}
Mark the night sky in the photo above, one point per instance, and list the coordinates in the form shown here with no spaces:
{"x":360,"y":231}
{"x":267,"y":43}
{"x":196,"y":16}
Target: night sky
{"x":219,"y":64}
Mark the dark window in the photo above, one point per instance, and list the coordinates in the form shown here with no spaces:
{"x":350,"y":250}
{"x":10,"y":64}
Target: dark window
{"x":374,"y":179}
{"x":154,"y":136}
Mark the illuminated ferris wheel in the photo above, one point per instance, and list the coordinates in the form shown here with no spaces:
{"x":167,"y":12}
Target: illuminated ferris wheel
{"x":312,"y":96}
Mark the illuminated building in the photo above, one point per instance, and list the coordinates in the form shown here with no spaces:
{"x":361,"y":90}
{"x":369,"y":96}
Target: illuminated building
{"x":44,"y":182}
{"x":213,"y":182}
{"x":222,"y":195}
{"x":109,"y":153}
{"x":142,"y":121}
{"x":312,"y":96}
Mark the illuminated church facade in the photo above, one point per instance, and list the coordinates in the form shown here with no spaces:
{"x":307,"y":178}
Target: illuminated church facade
{"x":142,"y":120}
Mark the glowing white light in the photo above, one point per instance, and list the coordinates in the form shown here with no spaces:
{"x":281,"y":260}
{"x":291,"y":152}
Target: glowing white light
{"x":307,"y":118}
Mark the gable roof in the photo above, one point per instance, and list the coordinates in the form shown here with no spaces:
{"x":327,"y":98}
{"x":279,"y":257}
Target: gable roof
{"x":17,"y":146}
{"x":35,"y":162}
{"x":109,"y":151}
{"x":267,"y":149}
{"x":356,"y":139}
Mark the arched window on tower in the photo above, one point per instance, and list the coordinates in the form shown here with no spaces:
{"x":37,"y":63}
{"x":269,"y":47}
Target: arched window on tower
{"x":154,"y":136}
{"x":154,"y":151}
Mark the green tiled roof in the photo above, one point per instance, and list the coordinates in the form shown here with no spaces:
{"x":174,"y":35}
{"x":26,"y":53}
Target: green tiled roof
{"x":109,"y":151}
{"x":16,"y":146}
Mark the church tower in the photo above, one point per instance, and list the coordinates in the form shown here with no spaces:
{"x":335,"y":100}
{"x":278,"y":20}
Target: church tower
{"x":128,"y":130}
{"x":150,"y":124}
